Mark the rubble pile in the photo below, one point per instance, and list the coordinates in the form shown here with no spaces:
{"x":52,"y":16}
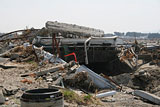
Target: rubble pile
{"x":25,"y":67}
{"x":20,"y":54}
{"x":57,"y":73}
{"x":147,"y":80}
{"x":80,"y":81}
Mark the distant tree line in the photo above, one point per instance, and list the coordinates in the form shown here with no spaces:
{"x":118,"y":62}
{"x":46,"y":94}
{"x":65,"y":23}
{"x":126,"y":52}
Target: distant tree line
{"x":154,"y":35}
{"x":138,"y":34}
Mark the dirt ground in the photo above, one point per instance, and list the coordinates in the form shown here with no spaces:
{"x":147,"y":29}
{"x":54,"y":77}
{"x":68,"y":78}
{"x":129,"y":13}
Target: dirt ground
{"x":10,"y":79}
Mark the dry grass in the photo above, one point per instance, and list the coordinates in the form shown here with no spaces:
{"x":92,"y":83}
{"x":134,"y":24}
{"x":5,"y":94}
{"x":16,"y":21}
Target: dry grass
{"x":72,"y":97}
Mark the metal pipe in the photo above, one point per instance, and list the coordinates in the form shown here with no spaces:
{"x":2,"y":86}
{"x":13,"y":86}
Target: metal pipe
{"x":106,"y":94}
{"x":85,"y":49}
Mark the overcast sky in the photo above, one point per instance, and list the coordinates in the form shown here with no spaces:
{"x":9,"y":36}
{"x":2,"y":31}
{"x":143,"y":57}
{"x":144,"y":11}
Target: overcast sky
{"x":108,"y":15}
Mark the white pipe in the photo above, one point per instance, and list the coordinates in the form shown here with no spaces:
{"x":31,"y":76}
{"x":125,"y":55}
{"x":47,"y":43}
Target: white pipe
{"x":112,"y":37}
{"x":85,"y":49}
{"x":106,"y":94}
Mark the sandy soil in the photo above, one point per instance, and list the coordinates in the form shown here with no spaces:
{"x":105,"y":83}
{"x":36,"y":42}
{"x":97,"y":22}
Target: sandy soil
{"x":10,"y":79}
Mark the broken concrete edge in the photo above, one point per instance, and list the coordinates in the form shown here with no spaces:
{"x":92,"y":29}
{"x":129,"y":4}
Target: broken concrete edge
{"x":98,"y":80}
{"x":148,"y":96}
{"x":72,"y":28}
{"x":106,"y":94}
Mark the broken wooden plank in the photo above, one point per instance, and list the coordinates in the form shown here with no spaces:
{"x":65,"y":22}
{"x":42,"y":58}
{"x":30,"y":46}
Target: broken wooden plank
{"x":51,"y":70}
{"x":148,"y":96}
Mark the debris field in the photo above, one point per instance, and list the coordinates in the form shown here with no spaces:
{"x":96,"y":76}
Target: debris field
{"x":88,"y":69}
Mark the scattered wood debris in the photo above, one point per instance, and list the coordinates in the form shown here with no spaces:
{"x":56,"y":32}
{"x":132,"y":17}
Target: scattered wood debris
{"x":79,"y":84}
